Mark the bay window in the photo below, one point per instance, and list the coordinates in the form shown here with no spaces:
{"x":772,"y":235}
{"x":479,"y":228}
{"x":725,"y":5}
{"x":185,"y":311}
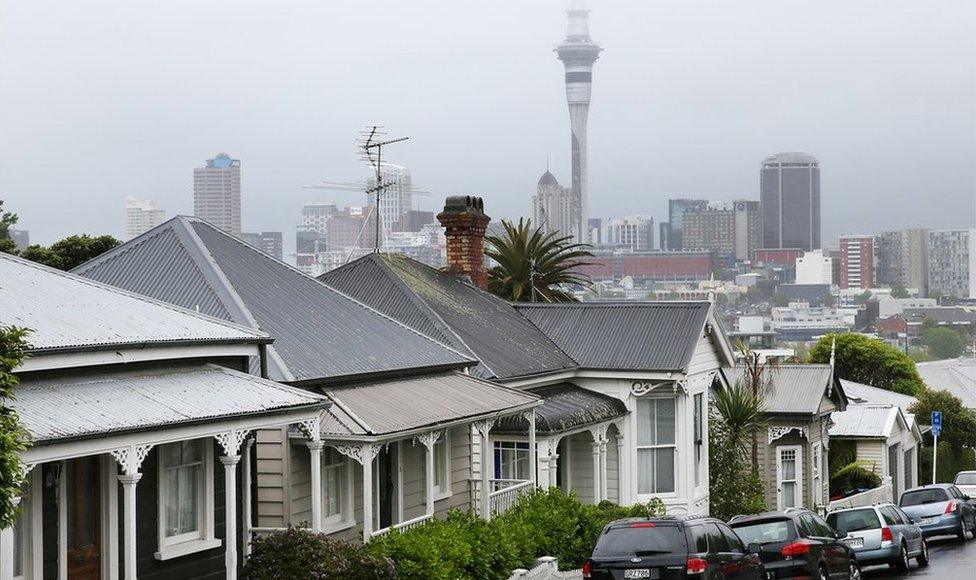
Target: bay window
{"x":655,"y":445}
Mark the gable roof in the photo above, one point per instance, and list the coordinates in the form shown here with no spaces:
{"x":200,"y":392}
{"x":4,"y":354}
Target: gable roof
{"x":65,"y":311}
{"x":636,"y":336}
{"x":958,"y":376}
{"x":320,"y":334}
{"x":450,"y":310}
{"x":799,"y":388}
{"x":873,"y":421}
{"x":859,"y":393}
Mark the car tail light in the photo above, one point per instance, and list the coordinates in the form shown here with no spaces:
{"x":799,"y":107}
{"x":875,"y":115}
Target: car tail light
{"x":950,"y":507}
{"x":642,"y":525}
{"x":587,"y":570}
{"x":696,"y":566}
{"x":886,"y":535}
{"x":795,"y":549}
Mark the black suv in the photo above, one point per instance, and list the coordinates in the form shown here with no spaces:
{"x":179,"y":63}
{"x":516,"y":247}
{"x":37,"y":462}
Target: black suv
{"x":798,"y":543}
{"x":661,"y":548}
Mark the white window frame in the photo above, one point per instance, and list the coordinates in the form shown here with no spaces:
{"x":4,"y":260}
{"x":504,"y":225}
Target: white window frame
{"x":346,"y":517}
{"x":797,"y":478}
{"x":699,"y":433}
{"x":446,"y":489}
{"x":816,"y":465}
{"x":23,"y":531}
{"x":202,"y":539}
{"x":498,"y":446}
{"x":672,"y":446}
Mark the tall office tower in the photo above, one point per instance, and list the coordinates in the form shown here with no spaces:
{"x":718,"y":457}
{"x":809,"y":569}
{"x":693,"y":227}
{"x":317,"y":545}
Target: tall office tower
{"x":789,"y":185}
{"x":710,"y":227}
{"x":268,"y":242}
{"x":857,"y":262}
{"x":903,"y":259}
{"x":141,"y":215}
{"x":395,"y":200}
{"x":748,"y":221}
{"x":217,"y":193}
{"x":637,"y":232}
{"x":316,"y":214}
{"x":578,"y":53}
{"x":949,"y":262}
{"x":677,"y":208}
{"x":554,"y":208}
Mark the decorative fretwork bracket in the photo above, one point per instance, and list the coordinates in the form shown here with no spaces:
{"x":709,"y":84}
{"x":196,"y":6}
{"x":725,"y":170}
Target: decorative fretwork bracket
{"x":362,"y":452}
{"x":484,"y":427}
{"x":311,"y":428}
{"x":231,"y":441}
{"x":428,"y":439}
{"x":777,"y":432}
{"x":130,"y":458}
{"x":641,"y":388}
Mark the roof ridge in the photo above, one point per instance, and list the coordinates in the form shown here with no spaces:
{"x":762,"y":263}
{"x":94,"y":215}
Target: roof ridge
{"x":134,"y":295}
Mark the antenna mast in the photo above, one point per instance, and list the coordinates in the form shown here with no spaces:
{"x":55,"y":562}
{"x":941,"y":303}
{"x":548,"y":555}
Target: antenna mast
{"x":371,"y":147}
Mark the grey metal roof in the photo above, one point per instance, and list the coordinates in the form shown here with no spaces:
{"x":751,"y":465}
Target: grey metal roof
{"x":858,"y":393}
{"x":652,"y":336}
{"x":450,"y":310}
{"x":67,"y":311}
{"x":565,"y":406}
{"x":111,"y":402}
{"x":387,"y":407}
{"x":958,"y":376}
{"x":874,"y":421}
{"x":320,"y":334}
{"x":798,"y":388}
{"x":947,"y":314}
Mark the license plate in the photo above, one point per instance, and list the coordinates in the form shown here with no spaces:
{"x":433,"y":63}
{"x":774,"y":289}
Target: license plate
{"x":929,"y":520}
{"x":856,"y":542}
{"x":638,"y":573}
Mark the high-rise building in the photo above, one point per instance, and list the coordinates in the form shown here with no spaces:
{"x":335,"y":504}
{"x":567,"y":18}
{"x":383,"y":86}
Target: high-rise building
{"x":949,"y":253}
{"x":903,"y":259}
{"x":729,"y":228}
{"x":748,"y":221}
{"x":396,"y":199}
{"x":790,"y":197}
{"x":636,"y":232}
{"x":857,"y":262}
{"x":578,"y":53}
{"x":814,"y":267}
{"x":677,"y":208}
{"x":554,"y":207}
{"x":268,"y":242}
{"x":141,"y":215}
{"x":217,"y":193}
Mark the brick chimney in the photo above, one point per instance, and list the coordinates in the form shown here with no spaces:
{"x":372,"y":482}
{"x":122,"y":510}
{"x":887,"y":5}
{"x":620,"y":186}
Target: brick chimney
{"x":464,"y":222}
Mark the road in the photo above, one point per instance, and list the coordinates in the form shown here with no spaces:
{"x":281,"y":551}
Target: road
{"x":949,"y":559}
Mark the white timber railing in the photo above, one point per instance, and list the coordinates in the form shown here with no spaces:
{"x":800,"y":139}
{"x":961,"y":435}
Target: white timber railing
{"x":405,"y":525}
{"x":882,"y":493}
{"x":506,"y":493}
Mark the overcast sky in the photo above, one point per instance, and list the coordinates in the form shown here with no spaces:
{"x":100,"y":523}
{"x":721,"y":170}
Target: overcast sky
{"x":102,"y":99}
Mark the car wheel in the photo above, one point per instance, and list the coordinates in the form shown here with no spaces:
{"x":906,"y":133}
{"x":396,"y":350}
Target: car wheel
{"x":962,"y":534}
{"x":854,"y":571}
{"x":923,"y":555}
{"x":822,"y":574}
{"x":901,"y":562}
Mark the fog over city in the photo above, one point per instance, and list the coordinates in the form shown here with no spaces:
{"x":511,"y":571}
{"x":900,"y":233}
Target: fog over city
{"x":100,"y":100}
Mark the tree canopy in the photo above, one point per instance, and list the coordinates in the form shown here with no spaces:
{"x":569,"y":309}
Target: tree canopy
{"x":958,"y":422}
{"x":870,"y":361}
{"x":899,"y":292}
{"x":527,"y":258}
{"x":71,"y":251}
{"x":944,"y":343}
{"x":7,"y":220}
{"x":13,"y":438}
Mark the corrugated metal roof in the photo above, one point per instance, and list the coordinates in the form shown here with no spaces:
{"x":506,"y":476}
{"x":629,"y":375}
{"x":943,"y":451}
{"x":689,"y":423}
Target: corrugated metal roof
{"x":320,"y":333}
{"x":864,"y":421}
{"x":67,"y":311}
{"x":858,"y":393}
{"x":103,"y":403}
{"x":797,"y":388}
{"x":652,"y":336}
{"x":453,"y":311}
{"x":565,"y":406}
{"x":958,"y":376}
{"x":386,"y":407}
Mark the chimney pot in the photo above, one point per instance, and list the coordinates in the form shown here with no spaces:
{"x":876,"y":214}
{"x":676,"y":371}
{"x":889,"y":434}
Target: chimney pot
{"x":465,"y":222}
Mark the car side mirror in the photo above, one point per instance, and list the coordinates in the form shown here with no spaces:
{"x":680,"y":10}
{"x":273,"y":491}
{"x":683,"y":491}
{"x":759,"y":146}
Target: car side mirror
{"x":754,"y":548}
{"x":841,"y":534}
{"x":966,"y":497}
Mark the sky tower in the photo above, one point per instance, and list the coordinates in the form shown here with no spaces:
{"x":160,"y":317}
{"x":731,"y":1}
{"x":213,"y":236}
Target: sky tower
{"x":578,"y":53}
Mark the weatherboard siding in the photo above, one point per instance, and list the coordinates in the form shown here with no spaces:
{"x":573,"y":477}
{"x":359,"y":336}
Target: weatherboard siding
{"x":271,"y":490}
{"x":705,"y":358}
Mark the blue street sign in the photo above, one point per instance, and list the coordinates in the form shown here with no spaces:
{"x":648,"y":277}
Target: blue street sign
{"x":936,"y":423}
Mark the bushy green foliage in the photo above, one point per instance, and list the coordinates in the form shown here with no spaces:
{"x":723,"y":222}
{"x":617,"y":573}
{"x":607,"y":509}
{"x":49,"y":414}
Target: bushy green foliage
{"x":7,"y":221}
{"x":544,"y":523}
{"x":300,"y":553}
{"x":13,"y":438}
{"x":958,"y":422}
{"x":944,"y":343}
{"x":951,"y":462}
{"x":857,"y":475}
{"x":871,"y":361}
{"x":71,"y":251}
{"x":734,"y":488}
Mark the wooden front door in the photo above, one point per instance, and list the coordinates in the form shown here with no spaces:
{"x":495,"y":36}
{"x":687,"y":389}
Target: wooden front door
{"x":84,"y":515}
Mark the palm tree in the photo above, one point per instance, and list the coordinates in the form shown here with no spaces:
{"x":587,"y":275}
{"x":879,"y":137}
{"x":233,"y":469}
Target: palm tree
{"x":741,"y":415}
{"x":534,"y":266}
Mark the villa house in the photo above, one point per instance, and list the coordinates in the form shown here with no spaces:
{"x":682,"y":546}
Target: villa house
{"x":139,"y":414}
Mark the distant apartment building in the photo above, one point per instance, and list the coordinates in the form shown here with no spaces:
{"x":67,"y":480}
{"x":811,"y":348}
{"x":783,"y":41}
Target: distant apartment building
{"x":554,"y":207}
{"x":396,"y":199}
{"x":217,"y":193}
{"x":731,"y":229}
{"x":790,"y":199}
{"x":673,"y":239}
{"x":857,"y":262}
{"x":635,"y":232}
{"x":268,"y":242}
{"x":814,"y":267}
{"x":141,"y":215}
{"x":654,"y":266}
{"x":903,"y":259}
{"x":414,"y":221}
{"x":801,"y":322}
{"x":949,"y":254}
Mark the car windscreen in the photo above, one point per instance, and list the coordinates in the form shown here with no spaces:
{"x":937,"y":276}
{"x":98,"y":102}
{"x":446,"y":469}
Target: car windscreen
{"x":763,"y":532}
{"x":966,"y":479}
{"x":640,"y":539}
{"x":854,"y":520}
{"x":923,"y":496}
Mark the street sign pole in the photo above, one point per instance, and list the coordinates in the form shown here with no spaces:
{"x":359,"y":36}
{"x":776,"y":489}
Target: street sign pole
{"x":935,"y":455}
{"x":936,"y":431}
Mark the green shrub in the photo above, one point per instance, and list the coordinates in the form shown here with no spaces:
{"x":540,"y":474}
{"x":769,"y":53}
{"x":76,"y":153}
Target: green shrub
{"x":857,"y":475}
{"x":298,"y":553}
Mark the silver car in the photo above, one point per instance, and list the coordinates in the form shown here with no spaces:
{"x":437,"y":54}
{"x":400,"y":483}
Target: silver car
{"x":966,"y":482}
{"x":940,"y":510}
{"x":881,"y":534}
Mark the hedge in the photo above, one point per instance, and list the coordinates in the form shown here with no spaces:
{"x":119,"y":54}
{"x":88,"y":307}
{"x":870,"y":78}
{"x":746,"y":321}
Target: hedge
{"x":300,"y":553}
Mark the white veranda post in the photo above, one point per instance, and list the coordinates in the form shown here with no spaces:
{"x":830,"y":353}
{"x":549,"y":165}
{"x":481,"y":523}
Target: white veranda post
{"x":130,"y":460}
{"x":429,"y":441}
{"x":484,"y":428}
{"x":364,"y":454}
{"x":230,"y":442}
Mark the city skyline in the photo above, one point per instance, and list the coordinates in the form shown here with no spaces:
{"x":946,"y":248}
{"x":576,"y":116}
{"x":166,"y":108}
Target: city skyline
{"x":649,"y":133}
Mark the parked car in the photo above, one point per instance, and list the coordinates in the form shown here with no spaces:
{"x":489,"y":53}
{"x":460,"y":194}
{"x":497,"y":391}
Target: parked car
{"x":940,"y":510}
{"x":662,"y":548}
{"x":966,"y":482}
{"x":798,"y":543}
{"x":881,"y":534}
